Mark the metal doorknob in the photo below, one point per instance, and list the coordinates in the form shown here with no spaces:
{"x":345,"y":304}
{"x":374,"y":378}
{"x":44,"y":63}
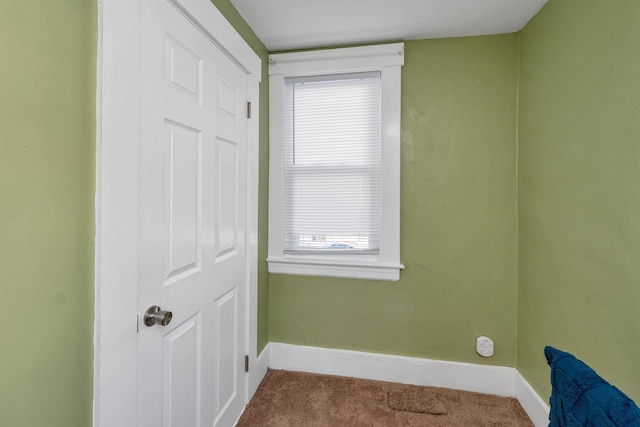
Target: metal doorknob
{"x":155,"y":316}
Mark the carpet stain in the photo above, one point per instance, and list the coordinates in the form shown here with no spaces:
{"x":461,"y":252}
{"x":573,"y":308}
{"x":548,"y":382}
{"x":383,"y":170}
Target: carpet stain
{"x":423,"y":401}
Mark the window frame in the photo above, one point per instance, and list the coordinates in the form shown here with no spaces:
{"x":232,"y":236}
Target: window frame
{"x":388,"y":60}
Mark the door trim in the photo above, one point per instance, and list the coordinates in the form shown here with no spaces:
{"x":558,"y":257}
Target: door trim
{"x":118,"y":127}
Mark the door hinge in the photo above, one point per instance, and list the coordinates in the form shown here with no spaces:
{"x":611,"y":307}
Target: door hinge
{"x":137,"y":323}
{"x":246,"y":363}
{"x":248,"y":109}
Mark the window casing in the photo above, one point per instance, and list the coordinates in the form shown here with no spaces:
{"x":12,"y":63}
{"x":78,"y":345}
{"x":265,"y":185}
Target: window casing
{"x":335,"y":154}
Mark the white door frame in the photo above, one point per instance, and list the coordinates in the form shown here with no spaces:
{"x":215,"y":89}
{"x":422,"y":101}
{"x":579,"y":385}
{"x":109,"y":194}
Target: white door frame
{"x":116,"y":262}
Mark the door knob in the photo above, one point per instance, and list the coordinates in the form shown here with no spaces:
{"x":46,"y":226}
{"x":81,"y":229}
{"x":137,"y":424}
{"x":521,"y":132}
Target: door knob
{"x":155,"y":316}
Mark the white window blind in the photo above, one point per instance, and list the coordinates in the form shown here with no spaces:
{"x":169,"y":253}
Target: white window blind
{"x":332,"y":164}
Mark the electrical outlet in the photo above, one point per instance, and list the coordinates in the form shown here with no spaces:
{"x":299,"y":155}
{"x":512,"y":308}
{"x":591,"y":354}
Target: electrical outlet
{"x":484,"y":346}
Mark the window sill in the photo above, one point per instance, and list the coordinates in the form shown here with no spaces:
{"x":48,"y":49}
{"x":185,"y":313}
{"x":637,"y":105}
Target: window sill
{"x":335,"y":269}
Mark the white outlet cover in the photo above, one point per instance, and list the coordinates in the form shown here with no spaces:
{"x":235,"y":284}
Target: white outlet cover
{"x":484,"y":346}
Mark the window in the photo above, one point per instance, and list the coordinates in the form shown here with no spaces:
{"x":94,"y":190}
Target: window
{"x":335,"y":162}
{"x":332,"y":163}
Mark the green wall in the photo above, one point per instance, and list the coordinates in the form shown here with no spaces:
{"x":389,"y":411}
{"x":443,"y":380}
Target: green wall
{"x":458,"y":221}
{"x":232,"y":15}
{"x":579,"y":189}
{"x":47,"y":180}
{"x":47,"y":188}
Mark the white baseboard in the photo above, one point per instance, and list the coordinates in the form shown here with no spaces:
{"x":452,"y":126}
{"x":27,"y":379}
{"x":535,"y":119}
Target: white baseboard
{"x":258,"y":371}
{"x":498,"y":380}
{"x":531,"y":401}
{"x":383,"y":367}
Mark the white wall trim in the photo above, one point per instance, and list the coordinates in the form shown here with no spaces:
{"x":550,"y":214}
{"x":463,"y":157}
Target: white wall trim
{"x":117,"y":117}
{"x":400,"y":369}
{"x":335,"y":269}
{"x":253,"y":139}
{"x":328,"y":61}
{"x":388,"y":60}
{"x":498,"y":380}
{"x":216,"y":27}
{"x":259,"y":370}
{"x":531,"y":401}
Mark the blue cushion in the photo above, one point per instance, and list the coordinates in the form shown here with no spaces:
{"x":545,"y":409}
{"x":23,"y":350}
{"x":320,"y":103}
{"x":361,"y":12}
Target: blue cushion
{"x":581,"y":398}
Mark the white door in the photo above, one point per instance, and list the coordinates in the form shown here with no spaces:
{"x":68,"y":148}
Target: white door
{"x":193,"y":147}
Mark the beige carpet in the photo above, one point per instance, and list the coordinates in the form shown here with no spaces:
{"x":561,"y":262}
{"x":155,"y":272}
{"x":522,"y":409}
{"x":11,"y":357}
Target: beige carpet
{"x":295,"y":399}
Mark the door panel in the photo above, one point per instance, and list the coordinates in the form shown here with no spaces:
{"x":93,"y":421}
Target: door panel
{"x":182,"y":371}
{"x":225,"y":337}
{"x":193,"y":192}
{"x":183,"y":69}
{"x":183,"y":196}
{"x":227,"y":224}
{"x":228,"y":102}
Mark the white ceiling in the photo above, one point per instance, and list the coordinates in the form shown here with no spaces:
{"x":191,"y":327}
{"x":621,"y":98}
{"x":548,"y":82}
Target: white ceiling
{"x":298,"y":24}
